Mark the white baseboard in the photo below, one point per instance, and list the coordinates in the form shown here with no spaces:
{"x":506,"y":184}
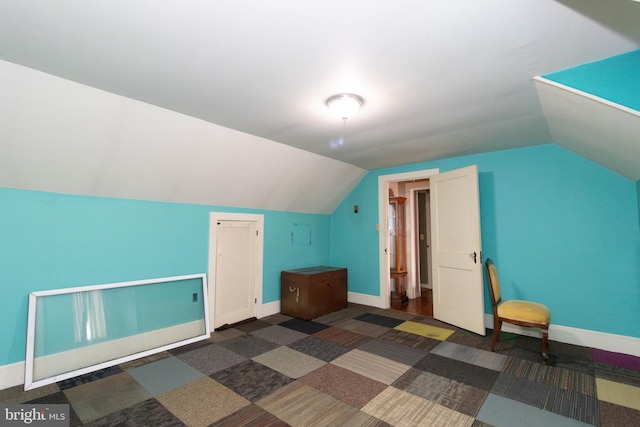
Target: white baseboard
{"x":264,"y":310}
{"x":583,"y":337}
{"x":11,"y":375}
{"x":368,"y":300}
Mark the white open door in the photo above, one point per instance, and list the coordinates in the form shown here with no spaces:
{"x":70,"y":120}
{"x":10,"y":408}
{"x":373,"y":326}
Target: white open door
{"x":458,"y":294}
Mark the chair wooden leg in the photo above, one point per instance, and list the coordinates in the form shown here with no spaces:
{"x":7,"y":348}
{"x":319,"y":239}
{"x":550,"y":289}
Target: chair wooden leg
{"x":497,"y":325}
{"x":545,"y":344}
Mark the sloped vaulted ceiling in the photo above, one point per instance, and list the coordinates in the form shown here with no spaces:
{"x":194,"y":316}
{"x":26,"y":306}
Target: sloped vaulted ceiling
{"x":594,"y":110}
{"x":222,"y":102}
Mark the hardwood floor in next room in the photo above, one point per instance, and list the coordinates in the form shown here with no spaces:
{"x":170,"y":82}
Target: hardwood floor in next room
{"x":422,"y":306}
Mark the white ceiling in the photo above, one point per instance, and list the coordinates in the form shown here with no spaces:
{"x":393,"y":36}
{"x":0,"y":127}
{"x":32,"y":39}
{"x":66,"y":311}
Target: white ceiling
{"x":439,"y":78}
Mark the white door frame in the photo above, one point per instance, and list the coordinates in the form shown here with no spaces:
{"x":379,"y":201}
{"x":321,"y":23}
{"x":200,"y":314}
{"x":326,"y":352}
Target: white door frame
{"x":383,"y":213}
{"x":214,"y":217}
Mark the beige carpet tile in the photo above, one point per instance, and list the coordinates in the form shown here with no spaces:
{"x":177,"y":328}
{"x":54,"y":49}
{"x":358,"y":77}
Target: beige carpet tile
{"x":451,"y":394}
{"x":372,"y":366}
{"x":202,"y":402}
{"x":342,"y":337}
{"x":58,"y":398}
{"x":425,"y":330}
{"x":17,"y":394}
{"x":361,"y":419}
{"x":99,"y":398}
{"x":144,"y":360}
{"x":362,"y":328}
{"x":343,"y":384}
{"x":289,"y":362}
{"x":301,"y":405}
{"x":250,"y":416}
{"x":403,"y":409}
{"x":618,"y":393}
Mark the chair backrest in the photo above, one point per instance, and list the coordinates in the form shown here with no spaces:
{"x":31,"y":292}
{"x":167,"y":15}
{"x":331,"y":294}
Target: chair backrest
{"x":494,"y":282}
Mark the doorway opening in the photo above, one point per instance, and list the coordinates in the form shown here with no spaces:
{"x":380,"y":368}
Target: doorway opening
{"x":414,"y":186}
{"x":418,"y":231}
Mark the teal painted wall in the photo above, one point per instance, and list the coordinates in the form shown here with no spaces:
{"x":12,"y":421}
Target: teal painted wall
{"x":53,"y":241}
{"x":562,"y":230}
{"x":614,"y":79}
{"x":638,"y":188}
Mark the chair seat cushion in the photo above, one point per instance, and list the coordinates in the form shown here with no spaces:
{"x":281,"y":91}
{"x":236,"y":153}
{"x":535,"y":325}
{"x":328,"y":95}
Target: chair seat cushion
{"x":524,"y":311}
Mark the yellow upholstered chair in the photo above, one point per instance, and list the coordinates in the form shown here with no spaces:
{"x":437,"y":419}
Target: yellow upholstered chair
{"x":517,"y":312}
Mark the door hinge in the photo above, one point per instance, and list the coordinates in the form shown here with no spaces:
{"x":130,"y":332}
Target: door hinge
{"x":255,"y":300}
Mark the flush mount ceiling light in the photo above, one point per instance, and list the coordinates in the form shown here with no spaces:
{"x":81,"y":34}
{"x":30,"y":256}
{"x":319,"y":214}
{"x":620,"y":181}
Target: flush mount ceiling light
{"x":345,"y":105}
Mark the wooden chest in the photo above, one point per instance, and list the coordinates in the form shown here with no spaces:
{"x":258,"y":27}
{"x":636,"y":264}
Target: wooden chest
{"x":312,"y":292}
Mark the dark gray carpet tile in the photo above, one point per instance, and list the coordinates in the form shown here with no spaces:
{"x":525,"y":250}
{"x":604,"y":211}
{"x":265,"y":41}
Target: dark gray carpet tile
{"x":407,"y":378}
{"x":395,"y":314}
{"x":394,"y":351}
{"x":274,"y":319}
{"x":472,"y":375}
{"x":58,"y":398}
{"x":377,"y":319}
{"x":305,"y":326}
{"x":252,"y":380}
{"x":533,"y":344}
{"x":211,"y":358}
{"x":521,"y":390}
{"x":482,"y":342}
{"x":614,"y":373}
{"x":573,"y":363}
{"x":477,"y":423}
{"x":147,"y":413}
{"x":408,"y":339}
{"x":562,"y":378}
{"x":336,"y":317}
{"x":574,"y":405}
{"x":318,"y":348}
{"x":252,"y":326}
{"x":279,"y":335}
{"x":251,"y":415}
{"x":533,"y":356}
{"x":87,"y":378}
{"x":189,"y":347}
{"x":572,"y":351}
{"x":612,"y":415}
{"x":248,"y":345}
